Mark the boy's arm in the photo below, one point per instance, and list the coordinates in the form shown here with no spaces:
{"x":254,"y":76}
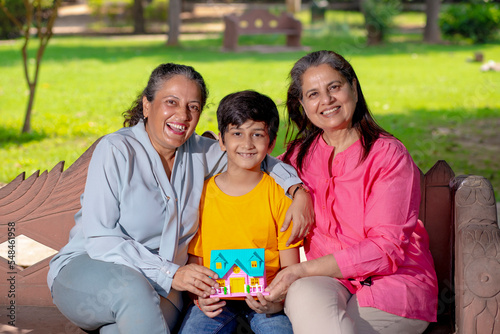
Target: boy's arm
{"x":289,"y":256}
{"x":195,"y":259}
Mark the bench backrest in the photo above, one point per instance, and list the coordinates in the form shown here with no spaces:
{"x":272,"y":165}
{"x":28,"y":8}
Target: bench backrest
{"x":42,"y":208}
{"x":436,"y":207}
{"x":260,"y":21}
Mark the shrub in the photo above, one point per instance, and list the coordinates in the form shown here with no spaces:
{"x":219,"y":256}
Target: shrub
{"x":156,"y":10}
{"x":8,"y":29}
{"x":122,"y":10}
{"x":477,"y":21}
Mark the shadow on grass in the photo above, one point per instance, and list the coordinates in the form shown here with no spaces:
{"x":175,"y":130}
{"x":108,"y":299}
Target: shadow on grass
{"x":13,"y":136}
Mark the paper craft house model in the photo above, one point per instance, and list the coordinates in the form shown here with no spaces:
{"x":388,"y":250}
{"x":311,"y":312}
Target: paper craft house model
{"x":241,"y":272}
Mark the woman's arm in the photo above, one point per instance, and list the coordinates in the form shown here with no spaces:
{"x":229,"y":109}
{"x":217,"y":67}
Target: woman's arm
{"x":264,"y":304}
{"x":107,"y":240}
{"x":301,"y":212}
{"x":390,"y":218}
{"x":289,"y":257}
{"x":322,"y":266}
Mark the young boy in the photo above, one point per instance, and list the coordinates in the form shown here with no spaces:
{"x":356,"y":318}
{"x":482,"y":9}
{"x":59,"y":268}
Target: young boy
{"x":243,"y":208}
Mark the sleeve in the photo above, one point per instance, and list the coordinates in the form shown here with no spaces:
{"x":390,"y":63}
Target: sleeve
{"x":284,"y":174}
{"x":215,"y":159}
{"x":391,"y":214}
{"x":105,"y":239}
{"x":216,"y":162}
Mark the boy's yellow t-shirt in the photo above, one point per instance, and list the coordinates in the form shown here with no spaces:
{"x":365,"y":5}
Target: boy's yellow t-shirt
{"x":253,"y":220}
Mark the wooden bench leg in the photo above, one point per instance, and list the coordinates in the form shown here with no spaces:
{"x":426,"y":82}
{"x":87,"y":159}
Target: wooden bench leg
{"x":230,"y":39}
{"x":293,"y":40}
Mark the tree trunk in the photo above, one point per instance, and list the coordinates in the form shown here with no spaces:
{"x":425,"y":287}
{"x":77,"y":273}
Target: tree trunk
{"x":139,"y":27}
{"x":293,"y":6}
{"x":374,"y":35}
{"x":29,"y":108}
{"x":432,"y":32}
{"x":174,"y":22}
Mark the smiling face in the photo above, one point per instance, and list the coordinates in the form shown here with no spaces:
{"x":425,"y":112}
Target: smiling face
{"x":328,"y":99}
{"x":247,"y":145}
{"x":173,"y":114}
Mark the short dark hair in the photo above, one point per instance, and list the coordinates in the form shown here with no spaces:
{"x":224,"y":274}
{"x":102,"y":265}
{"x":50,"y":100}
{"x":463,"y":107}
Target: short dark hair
{"x":160,"y":74}
{"x":239,"y":107}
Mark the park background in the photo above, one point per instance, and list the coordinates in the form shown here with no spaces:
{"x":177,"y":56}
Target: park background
{"x":441,"y":99}
{"x":435,"y":97}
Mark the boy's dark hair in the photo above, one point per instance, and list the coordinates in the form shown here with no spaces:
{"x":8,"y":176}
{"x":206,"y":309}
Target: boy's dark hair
{"x":239,"y":107}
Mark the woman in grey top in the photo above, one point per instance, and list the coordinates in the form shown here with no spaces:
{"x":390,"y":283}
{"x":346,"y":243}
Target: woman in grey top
{"x":124,"y":266}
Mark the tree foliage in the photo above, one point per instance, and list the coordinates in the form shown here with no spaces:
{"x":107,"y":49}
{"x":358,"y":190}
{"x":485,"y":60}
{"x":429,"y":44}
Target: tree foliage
{"x":478,"y":21}
{"x":34,"y":19}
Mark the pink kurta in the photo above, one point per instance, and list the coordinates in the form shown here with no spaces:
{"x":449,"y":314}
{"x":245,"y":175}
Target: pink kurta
{"x":367,"y":217}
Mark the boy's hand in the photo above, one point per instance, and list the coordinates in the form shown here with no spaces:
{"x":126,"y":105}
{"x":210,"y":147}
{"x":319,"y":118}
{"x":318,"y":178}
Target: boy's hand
{"x":301,"y":211}
{"x":195,"y":279}
{"x":212,"y":307}
{"x":262,"y":305}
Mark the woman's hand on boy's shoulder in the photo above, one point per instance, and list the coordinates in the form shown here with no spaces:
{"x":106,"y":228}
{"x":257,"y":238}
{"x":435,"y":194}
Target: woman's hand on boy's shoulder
{"x":301,"y":212}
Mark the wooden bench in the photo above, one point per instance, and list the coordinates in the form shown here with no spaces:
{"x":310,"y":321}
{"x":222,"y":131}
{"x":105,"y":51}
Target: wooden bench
{"x":260,"y":22}
{"x":459,"y":214}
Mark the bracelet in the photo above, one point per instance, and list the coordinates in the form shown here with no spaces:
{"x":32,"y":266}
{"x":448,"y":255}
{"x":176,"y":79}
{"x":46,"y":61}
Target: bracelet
{"x":197,"y":303}
{"x":300,"y":186}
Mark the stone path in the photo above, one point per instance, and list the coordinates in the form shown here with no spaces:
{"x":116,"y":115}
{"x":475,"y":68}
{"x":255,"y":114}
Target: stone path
{"x":73,"y":19}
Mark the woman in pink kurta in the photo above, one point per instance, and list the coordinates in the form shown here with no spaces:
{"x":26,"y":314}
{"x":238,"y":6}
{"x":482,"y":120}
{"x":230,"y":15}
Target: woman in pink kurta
{"x":369,"y":267}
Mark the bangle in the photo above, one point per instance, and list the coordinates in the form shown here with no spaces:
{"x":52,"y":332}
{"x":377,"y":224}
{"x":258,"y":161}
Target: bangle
{"x":300,"y":186}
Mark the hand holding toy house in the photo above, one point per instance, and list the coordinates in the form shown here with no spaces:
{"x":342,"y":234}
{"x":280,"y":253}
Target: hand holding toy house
{"x":241,"y":272}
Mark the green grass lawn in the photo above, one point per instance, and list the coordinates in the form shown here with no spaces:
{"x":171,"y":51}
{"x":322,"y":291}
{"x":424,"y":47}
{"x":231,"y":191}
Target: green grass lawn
{"x":430,"y":97}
